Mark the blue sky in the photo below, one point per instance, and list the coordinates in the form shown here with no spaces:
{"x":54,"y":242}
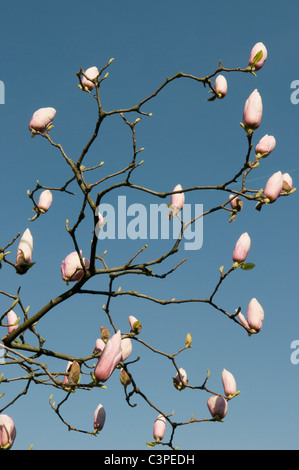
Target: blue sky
{"x":188,"y":141}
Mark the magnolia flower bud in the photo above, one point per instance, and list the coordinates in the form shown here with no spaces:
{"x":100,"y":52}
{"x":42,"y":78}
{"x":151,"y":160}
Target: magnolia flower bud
{"x":135,"y":325}
{"x":124,"y":378}
{"x":242,"y":248}
{"x":42,"y":119}
{"x":101,"y":222}
{"x":71,"y":268}
{"x":274,"y":186}
{"x":265,"y":146}
{"x":180,"y":380}
{"x":91,"y":74}
{"x":220,"y":86}
{"x":73,"y":377}
{"x":45,"y":201}
{"x":257,"y":48}
{"x":66,"y":377}
{"x":105,"y":334}
{"x":11,"y":319}
{"x":217,"y":407}
{"x":253,"y":111}
{"x":109,"y":359}
{"x":255,"y":317}
{"x":177,"y":201}
{"x":99,"y":417}
{"x":229,"y":383}
{"x":126,"y":348}
{"x":100,"y":344}
{"x":24,"y":253}
{"x":287,"y":182}
{"x":7,"y":432}
{"x":159,"y":428}
{"x":235,"y":202}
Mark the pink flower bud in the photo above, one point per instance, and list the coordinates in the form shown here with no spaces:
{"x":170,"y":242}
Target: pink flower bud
{"x":253,"y":111}
{"x":135,"y":324}
{"x":217,"y":407}
{"x":109,"y":359}
{"x":74,"y":374}
{"x":7,"y":432}
{"x":220,"y":86}
{"x":71,"y":268}
{"x":11,"y":319}
{"x":265,"y":145}
{"x":42,"y":119}
{"x":255,"y":315}
{"x":100,"y":220}
{"x":180,"y":380}
{"x":159,"y":428}
{"x":229,"y":383}
{"x":287,"y":182}
{"x":274,"y":186}
{"x":100,"y":344}
{"x":99,"y":417}
{"x":257,"y":48}
{"x":126,"y":348}
{"x":235,"y":202}
{"x":45,"y":200}
{"x":24,"y":253}
{"x":66,"y":377}
{"x":177,"y":201}
{"x":91,"y":74}
{"x":242,"y":248}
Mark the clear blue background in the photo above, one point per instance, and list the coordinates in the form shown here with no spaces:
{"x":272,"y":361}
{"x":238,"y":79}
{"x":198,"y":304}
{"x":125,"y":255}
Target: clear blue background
{"x":188,"y":141}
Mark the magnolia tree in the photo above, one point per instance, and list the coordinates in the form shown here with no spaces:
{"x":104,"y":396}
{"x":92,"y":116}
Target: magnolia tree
{"x":111,"y":352}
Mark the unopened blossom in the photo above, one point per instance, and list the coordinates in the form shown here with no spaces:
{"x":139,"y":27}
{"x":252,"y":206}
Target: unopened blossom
{"x":71,"y":268}
{"x":217,"y":406}
{"x":7,"y":432}
{"x":257,"y":48}
{"x":11,"y":320}
{"x":45,"y":200}
{"x":220,"y":86}
{"x":65,"y":378}
{"x":105,"y":333}
{"x":235,"y":202}
{"x":99,"y":346}
{"x":126,"y":348}
{"x":177,"y":201}
{"x":242,"y":248}
{"x":42,"y":119}
{"x":73,"y":376}
{"x":24,"y":252}
{"x":180,"y":380}
{"x":109,"y":358}
{"x":135,"y":324}
{"x":265,"y":146}
{"x":274,"y":186}
{"x":229,"y":383}
{"x":253,"y":111}
{"x":287,"y":182}
{"x":91,"y":74}
{"x":101,"y":222}
{"x":99,"y":417}
{"x":159,"y":427}
{"x":255,"y":317}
